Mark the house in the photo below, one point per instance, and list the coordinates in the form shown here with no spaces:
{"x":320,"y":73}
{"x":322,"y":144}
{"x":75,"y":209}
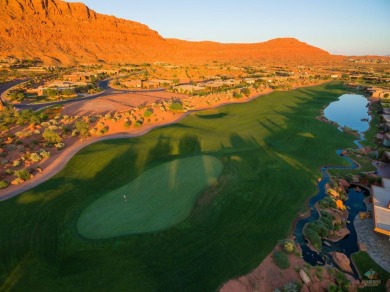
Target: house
{"x":386,"y":118}
{"x":381,"y":207}
{"x":80,"y":76}
{"x":132,"y":83}
{"x":163,"y":82}
{"x":150,"y":85}
{"x":211,"y":86}
{"x":386,"y":110}
{"x":189,"y":88}
{"x":386,"y":139}
{"x":249,"y":80}
{"x":380,"y":93}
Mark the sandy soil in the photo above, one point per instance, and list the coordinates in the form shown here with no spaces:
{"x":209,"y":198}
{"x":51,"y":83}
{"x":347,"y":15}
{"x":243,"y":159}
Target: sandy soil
{"x":117,"y":103}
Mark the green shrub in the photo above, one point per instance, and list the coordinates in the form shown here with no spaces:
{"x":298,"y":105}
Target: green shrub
{"x":3,"y":184}
{"x":148,"y":112}
{"x":246,"y":91}
{"x":24,"y":174}
{"x":291,"y":287}
{"x":51,"y":136}
{"x":313,"y":237}
{"x":82,"y":127}
{"x":35,"y":157}
{"x":176,"y":106}
{"x":288,"y":246}
{"x":327,"y":202}
{"x":138,"y":124}
{"x":127,"y":125}
{"x":281,"y":260}
{"x":237,"y":95}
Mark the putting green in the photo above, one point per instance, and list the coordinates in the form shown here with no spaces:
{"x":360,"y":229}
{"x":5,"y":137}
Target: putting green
{"x":157,"y":199}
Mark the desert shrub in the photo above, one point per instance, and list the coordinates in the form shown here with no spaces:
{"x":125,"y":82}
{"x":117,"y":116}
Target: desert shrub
{"x":313,"y":237}
{"x":291,"y":287}
{"x":246,"y":91}
{"x":104,"y":130}
{"x":83,"y":128}
{"x":281,"y":260}
{"x":75,"y":132}
{"x":237,"y":95}
{"x":4,"y":162}
{"x":176,"y":106}
{"x":60,"y":145}
{"x":51,"y":136}
{"x":16,"y":163}
{"x":3,"y":184}
{"x":53,"y":127}
{"x":148,"y":112}
{"x":43,"y":153}
{"x":288,"y":246}
{"x":35,"y":157}
{"x":24,"y":174}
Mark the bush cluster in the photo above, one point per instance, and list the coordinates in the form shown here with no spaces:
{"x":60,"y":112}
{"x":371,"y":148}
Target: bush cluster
{"x":281,"y":260}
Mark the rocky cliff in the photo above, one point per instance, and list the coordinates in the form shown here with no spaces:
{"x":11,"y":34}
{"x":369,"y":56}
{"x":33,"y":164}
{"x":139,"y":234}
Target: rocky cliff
{"x":70,"y":33}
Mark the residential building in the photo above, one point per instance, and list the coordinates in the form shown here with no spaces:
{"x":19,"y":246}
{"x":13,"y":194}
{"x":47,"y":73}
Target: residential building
{"x":381,"y":207}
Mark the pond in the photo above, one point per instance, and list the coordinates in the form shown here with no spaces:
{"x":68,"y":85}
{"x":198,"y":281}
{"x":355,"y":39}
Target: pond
{"x":351,"y":111}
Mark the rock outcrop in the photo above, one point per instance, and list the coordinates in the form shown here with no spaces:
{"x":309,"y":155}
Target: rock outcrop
{"x":342,"y":261}
{"x":58,"y":32}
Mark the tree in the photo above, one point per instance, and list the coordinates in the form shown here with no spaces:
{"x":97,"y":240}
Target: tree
{"x":246,"y":91}
{"x":24,"y":174}
{"x":176,"y":106}
{"x":51,"y":136}
{"x":83,"y":128}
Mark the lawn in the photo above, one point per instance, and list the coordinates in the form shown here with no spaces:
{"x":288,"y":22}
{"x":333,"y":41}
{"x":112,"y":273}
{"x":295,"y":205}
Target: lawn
{"x":364,"y":263}
{"x":271,"y":150}
{"x":159,"y":198}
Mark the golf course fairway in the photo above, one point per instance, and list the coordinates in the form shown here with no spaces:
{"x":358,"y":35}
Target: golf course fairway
{"x":271,"y":150}
{"x":159,"y":198}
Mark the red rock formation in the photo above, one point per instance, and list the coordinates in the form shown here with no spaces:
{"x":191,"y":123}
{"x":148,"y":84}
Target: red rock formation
{"x":69,"y":33}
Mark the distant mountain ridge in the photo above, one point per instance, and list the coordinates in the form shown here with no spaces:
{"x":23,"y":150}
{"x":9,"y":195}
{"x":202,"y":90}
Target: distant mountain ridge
{"x":58,"y":32}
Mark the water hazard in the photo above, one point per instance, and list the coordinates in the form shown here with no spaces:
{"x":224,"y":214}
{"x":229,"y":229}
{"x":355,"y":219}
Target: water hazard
{"x":351,"y":111}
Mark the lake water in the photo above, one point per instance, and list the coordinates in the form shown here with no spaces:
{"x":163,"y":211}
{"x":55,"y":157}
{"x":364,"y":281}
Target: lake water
{"x":349,"y":111}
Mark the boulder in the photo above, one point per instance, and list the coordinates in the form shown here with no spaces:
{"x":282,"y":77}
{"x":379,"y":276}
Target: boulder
{"x":342,"y":261}
{"x":305,"y":278}
{"x":344,"y":183}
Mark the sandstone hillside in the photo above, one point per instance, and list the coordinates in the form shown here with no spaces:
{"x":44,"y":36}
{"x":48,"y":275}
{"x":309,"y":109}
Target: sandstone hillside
{"x":70,"y":33}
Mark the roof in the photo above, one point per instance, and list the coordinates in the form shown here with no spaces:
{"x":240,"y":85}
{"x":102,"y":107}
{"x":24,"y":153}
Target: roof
{"x":381,"y":199}
{"x":386,"y":118}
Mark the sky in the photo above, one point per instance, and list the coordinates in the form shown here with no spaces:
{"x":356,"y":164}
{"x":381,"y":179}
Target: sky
{"x":341,"y":27}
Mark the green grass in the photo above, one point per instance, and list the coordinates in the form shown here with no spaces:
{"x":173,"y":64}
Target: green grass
{"x":159,"y":198}
{"x":364,"y":263}
{"x":271,"y":149}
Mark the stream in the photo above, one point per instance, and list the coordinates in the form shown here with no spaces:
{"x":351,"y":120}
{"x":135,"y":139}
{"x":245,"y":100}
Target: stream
{"x":351,"y":111}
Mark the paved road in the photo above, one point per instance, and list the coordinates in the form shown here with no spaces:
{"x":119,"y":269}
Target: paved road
{"x":107,"y":90}
{"x":5,"y":86}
